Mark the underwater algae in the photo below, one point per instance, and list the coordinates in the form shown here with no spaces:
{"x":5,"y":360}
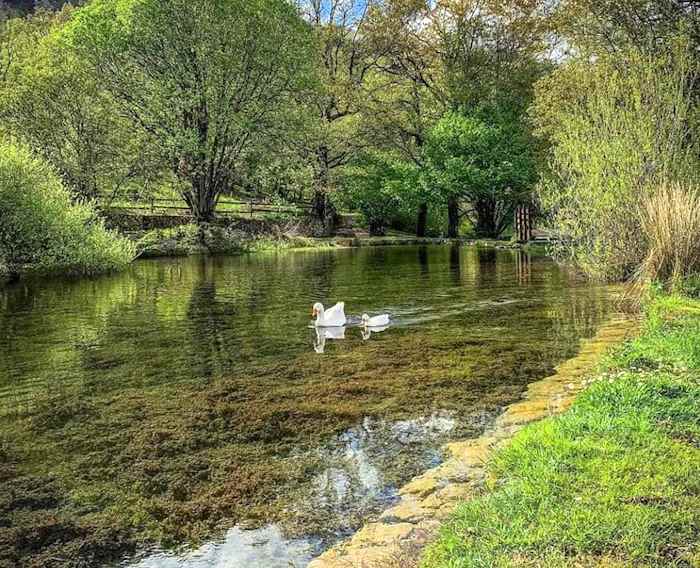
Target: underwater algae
{"x":107,"y":459}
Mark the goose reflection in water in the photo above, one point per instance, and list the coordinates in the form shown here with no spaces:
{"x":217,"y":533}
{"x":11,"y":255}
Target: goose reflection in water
{"x":324,"y":333}
{"x":368,"y":331}
{"x":367,"y":327}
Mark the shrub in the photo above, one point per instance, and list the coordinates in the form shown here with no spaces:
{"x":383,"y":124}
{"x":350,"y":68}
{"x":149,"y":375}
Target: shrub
{"x":41,"y":228}
{"x":621,"y":128}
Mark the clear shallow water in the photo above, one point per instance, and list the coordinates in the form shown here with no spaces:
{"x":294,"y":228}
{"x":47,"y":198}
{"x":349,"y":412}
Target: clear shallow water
{"x":189,"y":401}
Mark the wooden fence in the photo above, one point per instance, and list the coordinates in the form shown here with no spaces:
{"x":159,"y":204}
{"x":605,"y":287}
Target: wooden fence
{"x":225,"y":207}
{"x":523,"y":223}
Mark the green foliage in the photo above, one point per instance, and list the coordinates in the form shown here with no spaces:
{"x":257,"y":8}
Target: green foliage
{"x":614,"y":481}
{"x":41,"y":228}
{"x":607,"y":26}
{"x":276,"y":170}
{"x":488,"y":164}
{"x":51,"y":101}
{"x":621,"y":128}
{"x":380,"y":186}
{"x":204,"y":79}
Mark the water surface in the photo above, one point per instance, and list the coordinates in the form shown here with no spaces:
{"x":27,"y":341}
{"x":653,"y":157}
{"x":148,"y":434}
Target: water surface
{"x":187,"y":402}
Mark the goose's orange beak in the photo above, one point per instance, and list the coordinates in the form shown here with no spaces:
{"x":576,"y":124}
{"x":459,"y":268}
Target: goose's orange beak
{"x":313,"y":312}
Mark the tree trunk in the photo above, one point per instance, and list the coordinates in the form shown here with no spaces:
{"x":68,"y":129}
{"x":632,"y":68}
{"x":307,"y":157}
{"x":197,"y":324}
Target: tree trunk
{"x":201,"y":197}
{"x":323,"y":212}
{"x":377,"y":229}
{"x":486,"y":225}
{"x":452,"y":218}
{"x":202,"y":203}
{"x":319,"y":203}
{"x":422,"y":223}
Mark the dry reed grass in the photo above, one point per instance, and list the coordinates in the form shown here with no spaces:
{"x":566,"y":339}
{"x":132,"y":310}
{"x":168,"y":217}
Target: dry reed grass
{"x":670,"y":220}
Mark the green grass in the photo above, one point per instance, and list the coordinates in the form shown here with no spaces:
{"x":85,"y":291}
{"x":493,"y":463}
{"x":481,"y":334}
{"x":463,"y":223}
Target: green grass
{"x":613,"y":482}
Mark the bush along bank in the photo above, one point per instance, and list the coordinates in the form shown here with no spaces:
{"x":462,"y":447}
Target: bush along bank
{"x":41,"y":227}
{"x":219,"y":239}
{"x":613,"y":482}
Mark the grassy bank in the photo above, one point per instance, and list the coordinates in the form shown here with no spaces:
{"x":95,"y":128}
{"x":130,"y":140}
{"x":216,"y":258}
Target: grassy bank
{"x":613,"y":482}
{"x":212,"y":239}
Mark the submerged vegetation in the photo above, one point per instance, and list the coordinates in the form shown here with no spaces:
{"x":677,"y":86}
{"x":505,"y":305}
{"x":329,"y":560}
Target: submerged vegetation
{"x":442,"y":118}
{"x":142,"y":429}
{"x":614,"y":481}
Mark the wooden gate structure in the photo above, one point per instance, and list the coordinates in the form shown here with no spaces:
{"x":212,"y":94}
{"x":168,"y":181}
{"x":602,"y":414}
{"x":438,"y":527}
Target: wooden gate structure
{"x":523,"y":223}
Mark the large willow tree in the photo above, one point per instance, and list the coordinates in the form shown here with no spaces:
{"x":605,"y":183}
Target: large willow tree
{"x":205,"y":78}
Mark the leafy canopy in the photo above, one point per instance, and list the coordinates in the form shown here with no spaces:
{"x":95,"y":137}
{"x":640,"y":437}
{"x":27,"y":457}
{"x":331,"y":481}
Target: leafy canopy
{"x":205,"y":78}
{"x":488,"y":163}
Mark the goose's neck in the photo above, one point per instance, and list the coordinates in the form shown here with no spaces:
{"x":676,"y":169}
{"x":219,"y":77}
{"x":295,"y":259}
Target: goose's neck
{"x":319,"y":315}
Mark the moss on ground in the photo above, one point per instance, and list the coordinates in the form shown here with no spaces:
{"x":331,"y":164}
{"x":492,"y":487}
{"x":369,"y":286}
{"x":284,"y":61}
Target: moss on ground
{"x":613,"y":482}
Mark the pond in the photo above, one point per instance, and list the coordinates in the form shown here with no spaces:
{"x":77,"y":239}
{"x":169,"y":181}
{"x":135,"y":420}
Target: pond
{"x":184,"y":414}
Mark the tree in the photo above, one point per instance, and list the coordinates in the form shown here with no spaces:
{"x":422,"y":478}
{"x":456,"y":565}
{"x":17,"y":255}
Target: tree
{"x":52,"y":102}
{"x":407,"y":100}
{"x":490,"y":166}
{"x":343,"y":64}
{"x":396,"y":117}
{"x":380,"y":185}
{"x":490,"y":53}
{"x":205,"y":79}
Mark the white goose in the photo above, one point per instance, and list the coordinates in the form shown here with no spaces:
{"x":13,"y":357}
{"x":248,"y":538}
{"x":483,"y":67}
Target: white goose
{"x":332,"y":317}
{"x":376,"y":321}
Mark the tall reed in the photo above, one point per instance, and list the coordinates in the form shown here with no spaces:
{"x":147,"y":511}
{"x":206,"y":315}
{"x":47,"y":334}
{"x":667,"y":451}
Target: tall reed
{"x":670,"y":220}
